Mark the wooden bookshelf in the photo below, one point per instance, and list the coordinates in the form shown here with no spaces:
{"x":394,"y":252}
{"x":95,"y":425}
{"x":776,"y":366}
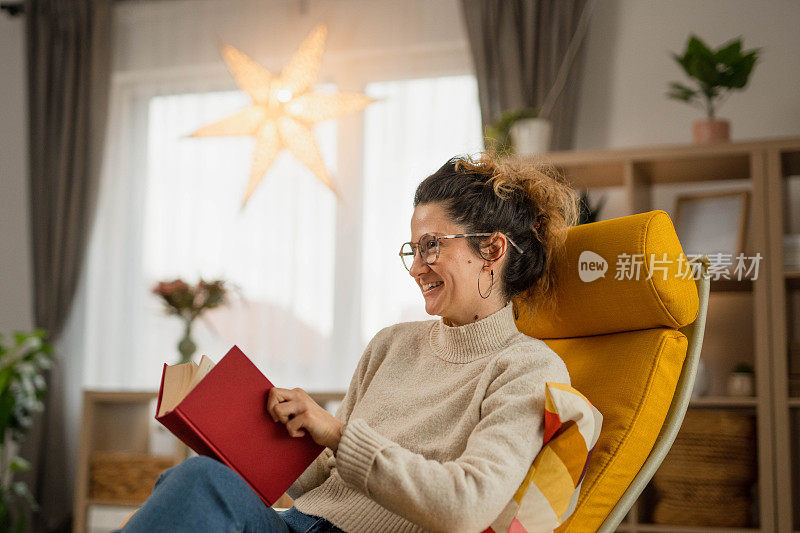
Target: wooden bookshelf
{"x":761,"y":166}
{"x":782,"y":160}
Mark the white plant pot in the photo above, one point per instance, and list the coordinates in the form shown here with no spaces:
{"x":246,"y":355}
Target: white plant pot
{"x":740,"y":384}
{"x":531,"y":136}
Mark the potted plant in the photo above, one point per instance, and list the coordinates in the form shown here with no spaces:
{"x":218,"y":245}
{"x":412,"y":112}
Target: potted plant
{"x":22,"y":391}
{"x":740,"y":380}
{"x":189,"y":302}
{"x":530,"y":128}
{"x":716,"y":73}
{"x":499,"y":136}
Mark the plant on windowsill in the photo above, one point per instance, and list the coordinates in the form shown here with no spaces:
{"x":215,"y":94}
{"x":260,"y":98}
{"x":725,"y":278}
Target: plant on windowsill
{"x":189,"y":302}
{"x":527,"y":131}
{"x":498,"y":135}
{"x":22,"y":392}
{"x":717,"y":73}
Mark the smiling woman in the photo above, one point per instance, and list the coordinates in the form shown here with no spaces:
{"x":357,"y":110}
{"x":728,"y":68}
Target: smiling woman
{"x":442,"y":418}
{"x":491,"y":203}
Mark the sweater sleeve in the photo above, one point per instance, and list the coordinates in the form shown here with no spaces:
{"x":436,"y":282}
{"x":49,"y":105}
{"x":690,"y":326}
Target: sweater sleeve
{"x":319,"y":470}
{"x":468,"y":493}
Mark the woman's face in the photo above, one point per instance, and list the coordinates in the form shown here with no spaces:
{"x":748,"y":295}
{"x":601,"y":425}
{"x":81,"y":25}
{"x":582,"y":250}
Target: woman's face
{"x":456,"y":271}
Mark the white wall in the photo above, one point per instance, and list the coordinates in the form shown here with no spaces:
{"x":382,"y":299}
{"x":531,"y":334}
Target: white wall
{"x":16,"y":304}
{"x":270,"y":31}
{"x":628,"y":67}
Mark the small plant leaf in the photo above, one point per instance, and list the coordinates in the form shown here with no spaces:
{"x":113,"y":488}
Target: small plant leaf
{"x":681,"y":92}
{"x":18,"y":464}
{"x":742,"y":71}
{"x":729,"y":53}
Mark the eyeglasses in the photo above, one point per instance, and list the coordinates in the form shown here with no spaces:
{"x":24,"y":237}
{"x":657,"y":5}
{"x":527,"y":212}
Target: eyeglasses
{"x":428,"y":247}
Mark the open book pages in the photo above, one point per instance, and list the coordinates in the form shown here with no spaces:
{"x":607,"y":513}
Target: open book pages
{"x":179,"y":380}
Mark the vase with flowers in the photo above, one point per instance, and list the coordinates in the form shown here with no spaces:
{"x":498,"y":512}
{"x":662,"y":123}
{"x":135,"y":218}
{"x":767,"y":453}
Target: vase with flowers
{"x":189,"y":302}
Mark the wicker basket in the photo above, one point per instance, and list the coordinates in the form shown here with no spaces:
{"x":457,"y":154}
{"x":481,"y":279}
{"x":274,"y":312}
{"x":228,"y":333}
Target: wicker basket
{"x":126,"y":477}
{"x":706,"y":478}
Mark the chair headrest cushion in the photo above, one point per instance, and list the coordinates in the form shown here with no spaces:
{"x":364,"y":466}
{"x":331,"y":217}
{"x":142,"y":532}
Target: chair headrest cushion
{"x":623,"y":274}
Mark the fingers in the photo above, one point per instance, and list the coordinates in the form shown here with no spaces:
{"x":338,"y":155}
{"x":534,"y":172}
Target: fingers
{"x":295,"y":425}
{"x":276,"y":396}
{"x":284,"y":411}
{"x":282,"y":404}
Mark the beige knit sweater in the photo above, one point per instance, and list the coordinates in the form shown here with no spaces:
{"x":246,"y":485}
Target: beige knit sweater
{"x":442,"y":424}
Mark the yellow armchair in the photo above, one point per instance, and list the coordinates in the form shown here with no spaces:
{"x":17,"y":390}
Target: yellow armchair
{"x":629,"y":324}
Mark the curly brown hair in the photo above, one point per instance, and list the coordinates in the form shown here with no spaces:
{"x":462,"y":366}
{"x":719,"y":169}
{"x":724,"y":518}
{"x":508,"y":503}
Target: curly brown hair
{"x":526,"y":199}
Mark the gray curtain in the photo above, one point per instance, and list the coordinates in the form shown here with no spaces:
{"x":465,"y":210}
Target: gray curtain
{"x":517,"y":48}
{"x":68,"y":64}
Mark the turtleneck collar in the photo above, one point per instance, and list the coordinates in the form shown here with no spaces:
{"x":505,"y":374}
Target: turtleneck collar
{"x":462,"y":344}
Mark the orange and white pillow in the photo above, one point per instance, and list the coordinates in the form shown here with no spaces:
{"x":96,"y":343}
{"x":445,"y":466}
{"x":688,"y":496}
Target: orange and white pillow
{"x":549,"y":493}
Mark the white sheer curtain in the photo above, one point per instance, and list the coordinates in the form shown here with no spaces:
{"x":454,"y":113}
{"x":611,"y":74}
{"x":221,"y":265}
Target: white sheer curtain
{"x":169,"y":205}
{"x":174,"y":210}
{"x":416,"y":127}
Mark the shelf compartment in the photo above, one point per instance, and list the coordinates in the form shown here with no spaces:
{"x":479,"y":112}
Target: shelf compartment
{"x":724,"y":401}
{"x":709,"y":479}
{"x":792,"y":278}
{"x":695,"y":167}
{"x":731,"y":285}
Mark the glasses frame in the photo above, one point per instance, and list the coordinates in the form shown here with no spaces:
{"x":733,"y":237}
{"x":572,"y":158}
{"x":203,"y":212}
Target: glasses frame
{"x":437,"y":238}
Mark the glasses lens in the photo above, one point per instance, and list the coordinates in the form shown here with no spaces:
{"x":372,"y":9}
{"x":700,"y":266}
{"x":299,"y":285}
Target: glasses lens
{"x":429,"y":248}
{"x":407,"y":255}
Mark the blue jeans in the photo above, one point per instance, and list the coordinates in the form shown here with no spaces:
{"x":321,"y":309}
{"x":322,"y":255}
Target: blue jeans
{"x":201,"y":494}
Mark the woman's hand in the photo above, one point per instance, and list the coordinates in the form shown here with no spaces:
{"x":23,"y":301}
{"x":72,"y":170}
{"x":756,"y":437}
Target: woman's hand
{"x":301,"y":413}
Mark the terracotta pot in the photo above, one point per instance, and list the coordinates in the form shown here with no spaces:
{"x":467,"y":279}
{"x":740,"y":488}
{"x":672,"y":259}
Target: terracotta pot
{"x":711,"y":130}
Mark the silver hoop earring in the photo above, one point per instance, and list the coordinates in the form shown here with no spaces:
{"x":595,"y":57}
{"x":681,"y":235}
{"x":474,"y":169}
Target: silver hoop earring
{"x":491,"y":286}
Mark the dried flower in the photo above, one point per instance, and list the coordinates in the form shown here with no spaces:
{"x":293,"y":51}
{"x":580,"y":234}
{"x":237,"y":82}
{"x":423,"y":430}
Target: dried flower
{"x":189,"y":301}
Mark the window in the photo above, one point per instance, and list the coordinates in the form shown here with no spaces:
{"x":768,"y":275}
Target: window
{"x":170,"y":206}
{"x":417,"y":126}
{"x":278,"y":251}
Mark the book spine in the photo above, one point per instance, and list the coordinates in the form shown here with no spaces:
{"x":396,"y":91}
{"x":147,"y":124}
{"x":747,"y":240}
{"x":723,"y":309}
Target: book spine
{"x":179,"y":426}
{"x":217,"y":453}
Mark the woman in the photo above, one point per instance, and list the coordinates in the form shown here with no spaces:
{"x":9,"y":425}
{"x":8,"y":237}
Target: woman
{"x":442,"y":418}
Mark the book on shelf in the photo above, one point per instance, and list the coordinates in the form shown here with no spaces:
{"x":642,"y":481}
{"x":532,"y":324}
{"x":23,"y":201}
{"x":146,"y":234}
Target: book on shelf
{"x":220,"y":411}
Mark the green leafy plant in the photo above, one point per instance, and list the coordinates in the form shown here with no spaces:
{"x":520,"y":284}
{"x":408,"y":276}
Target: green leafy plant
{"x":498,"y":135}
{"x":22,"y":392}
{"x":716,"y":72}
{"x":743,"y":368}
{"x":588,"y":212}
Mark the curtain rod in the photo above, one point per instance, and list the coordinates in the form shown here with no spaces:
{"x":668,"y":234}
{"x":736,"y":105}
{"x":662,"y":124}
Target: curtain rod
{"x":13,"y":9}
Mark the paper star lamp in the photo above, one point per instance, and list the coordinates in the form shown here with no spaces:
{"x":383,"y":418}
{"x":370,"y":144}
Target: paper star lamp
{"x":284,"y":109}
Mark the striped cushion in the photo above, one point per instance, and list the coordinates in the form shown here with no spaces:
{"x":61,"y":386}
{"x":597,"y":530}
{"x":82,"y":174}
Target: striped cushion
{"x":549,"y":493}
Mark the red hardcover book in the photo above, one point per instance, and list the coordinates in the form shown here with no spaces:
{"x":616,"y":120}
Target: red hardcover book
{"x":225,"y":417}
